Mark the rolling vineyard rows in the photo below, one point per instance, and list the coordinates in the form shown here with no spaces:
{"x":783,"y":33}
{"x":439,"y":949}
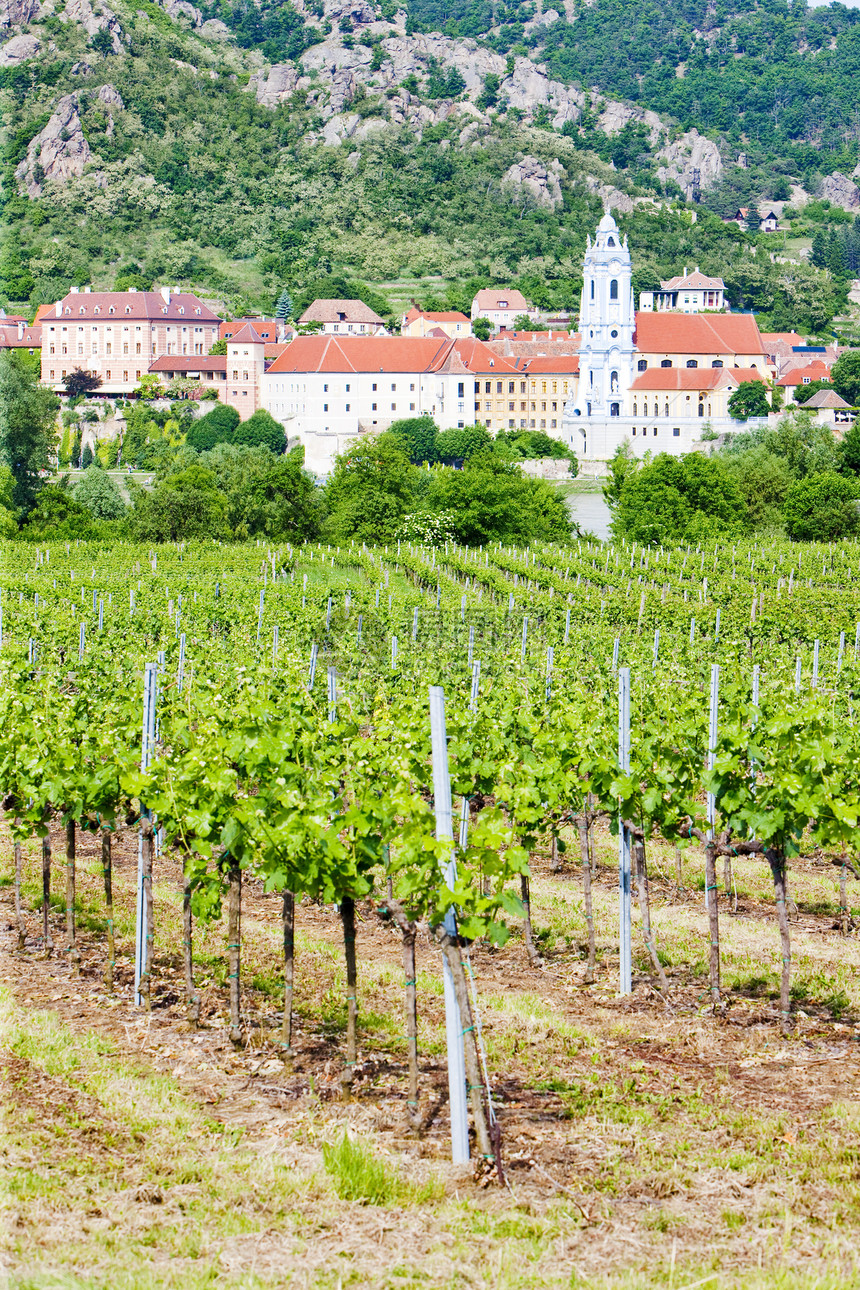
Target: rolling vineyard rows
{"x":290,"y":737}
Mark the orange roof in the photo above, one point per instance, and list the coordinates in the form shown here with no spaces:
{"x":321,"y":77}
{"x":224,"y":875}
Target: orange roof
{"x":658,"y":333}
{"x":267,"y":327}
{"x":783,"y":337}
{"x":42,"y":312}
{"x":565,"y":364}
{"x":363,"y":354}
{"x":247,"y":335}
{"x":693,"y":378}
{"x":477,"y":356}
{"x":501,"y":298}
{"x":452,"y":316}
{"x":814,"y":371}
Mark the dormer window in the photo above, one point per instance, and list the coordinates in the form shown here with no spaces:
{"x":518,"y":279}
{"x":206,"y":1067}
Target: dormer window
{"x":82,"y":310}
{"x":181,"y":310}
{"x":197,"y":311}
{"x":67,"y":310}
{"x":97,"y":309}
{"x":164,"y":309}
{"x":111,"y":309}
{"x":128,"y":309}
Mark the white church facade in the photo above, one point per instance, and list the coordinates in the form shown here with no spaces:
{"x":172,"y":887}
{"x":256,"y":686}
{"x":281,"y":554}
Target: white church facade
{"x":656,"y":379}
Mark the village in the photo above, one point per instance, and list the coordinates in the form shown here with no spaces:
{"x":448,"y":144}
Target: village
{"x":660,"y":377}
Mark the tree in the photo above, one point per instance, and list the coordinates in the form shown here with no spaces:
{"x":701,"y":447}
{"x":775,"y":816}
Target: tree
{"x":491,"y":500}
{"x":28,"y":427}
{"x":461,"y":445}
{"x":215,"y":427}
{"x":818,"y":253}
{"x":99,"y":494}
{"x":184,"y":505}
{"x":522,"y":322}
{"x":749,"y":400}
{"x":677,"y":499}
{"x":850,"y":464}
{"x":78,"y":384}
{"x":86,"y":458}
{"x":846,"y":377}
{"x":261,"y":431}
{"x":763,"y":479}
{"x":266,"y":494}
{"x":370,"y":490}
{"x":482,"y":328}
{"x":58,"y":515}
{"x":284,"y":307}
{"x":417,"y":436}
{"x":149,"y":387}
{"x":219,"y":347}
{"x":821,"y":508}
{"x":622,"y":465}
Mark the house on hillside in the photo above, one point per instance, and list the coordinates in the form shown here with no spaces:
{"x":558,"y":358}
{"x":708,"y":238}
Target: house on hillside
{"x":830,"y":407}
{"x":689,"y":293}
{"x":16,"y":333}
{"x":501,"y":305}
{"x":768,"y":220}
{"x":797,"y":377}
{"x":344,"y":318}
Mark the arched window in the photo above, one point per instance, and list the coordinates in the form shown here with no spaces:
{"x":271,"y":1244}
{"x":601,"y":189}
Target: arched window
{"x":613,"y":289}
{"x":665,"y":411}
{"x":610,"y":241}
{"x":615,"y":409}
{"x":666,"y":362}
{"x":691,"y":362}
{"x":642,"y":365}
{"x":701,"y":409}
{"x":644,"y":409}
{"x":592,"y":288}
{"x":655,"y":430}
{"x":718,"y":362}
{"x":635,"y":412}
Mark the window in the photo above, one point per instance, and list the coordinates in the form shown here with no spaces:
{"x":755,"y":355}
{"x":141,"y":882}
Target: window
{"x":642,"y":365}
{"x":411,"y":387}
{"x":655,"y":430}
{"x":666,"y":362}
{"x":498,"y":387}
{"x":610,"y":241}
{"x":125,"y":349}
{"x":510,"y":387}
{"x":346,"y":407}
{"x":613,"y":289}
{"x":615,"y":409}
{"x":677,"y":432}
{"x":592,"y":288}
{"x":325,"y":387}
{"x":634,"y":432}
{"x":373,"y":387}
{"x":701,"y":409}
{"x":488,"y":387}
{"x":691,"y":362}
{"x":510,"y":405}
{"x":393,"y":386}
{"x":665,"y":409}
{"x":394,"y":407}
{"x":806,"y":380}
{"x":373,"y":405}
{"x":718,"y":362}
{"x":461,"y":389}
{"x":137,"y":348}
{"x":488,"y":406}
{"x":411,"y":407}
{"x":522,"y":387}
{"x":325,"y":407}
{"x":125,"y":376}
{"x":635,"y":409}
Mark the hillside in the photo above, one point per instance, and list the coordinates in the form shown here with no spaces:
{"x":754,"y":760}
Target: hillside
{"x":236,"y":149}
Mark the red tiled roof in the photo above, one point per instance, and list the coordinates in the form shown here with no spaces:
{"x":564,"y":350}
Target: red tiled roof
{"x":693,"y":378}
{"x":492,"y":297}
{"x":329,"y":311}
{"x":452,"y":316}
{"x":43,"y":312}
{"x":694,"y":281}
{"x":190,"y":363}
{"x":30,"y":339}
{"x":814,"y":371}
{"x":132,"y":304}
{"x":565,"y":364}
{"x":267,"y":327}
{"x":247,"y":335}
{"x":658,"y":333}
{"x":781,"y":337}
{"x":477,"y":356}
{"x":11,"y":318}
{"x":363,"y":354}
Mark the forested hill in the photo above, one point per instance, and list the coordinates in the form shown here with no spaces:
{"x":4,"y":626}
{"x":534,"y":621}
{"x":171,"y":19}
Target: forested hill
{"x":238,"y":148}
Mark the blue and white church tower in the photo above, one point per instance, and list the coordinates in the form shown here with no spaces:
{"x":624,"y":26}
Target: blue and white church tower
{"x":607,"y":321}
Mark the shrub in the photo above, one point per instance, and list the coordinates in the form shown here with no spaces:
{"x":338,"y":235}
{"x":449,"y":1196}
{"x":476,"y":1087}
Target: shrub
{"x":821,"y":508}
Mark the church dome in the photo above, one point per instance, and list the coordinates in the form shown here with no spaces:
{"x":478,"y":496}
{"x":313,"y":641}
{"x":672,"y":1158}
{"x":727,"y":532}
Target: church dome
{"x":607,"y":224}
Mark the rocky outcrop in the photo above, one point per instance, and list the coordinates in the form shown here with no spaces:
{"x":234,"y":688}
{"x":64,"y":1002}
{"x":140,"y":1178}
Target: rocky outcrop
{"x":58,"y":152}
{"x":181,"y":9}
{"x":18,"y":50}
{"x":686,"y":155}
{"x":540,"y":182}
{"x":272,"y":87}
{"x":92,"y":20}
{"x":215,"y":29}
{"x":611,"y":198}
{"x":13,"y":13}
{"x":110,"y":96}
{"x":839,"y":190}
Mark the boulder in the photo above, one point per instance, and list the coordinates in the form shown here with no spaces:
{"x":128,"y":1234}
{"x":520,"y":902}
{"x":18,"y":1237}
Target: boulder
{"x":839,"y":190}
{"x":181,"y":9}
{"x":687,"y":154}
{"x":18,"y":50}
{"x":110,"y":96}
{"x":57,"y":153}
{"x":14,"y":13}
{"x":272,"y":87}
{"x":92,"y":21}
{"x":611,"y":197}
{"x":215,"y":29}
{"x":541,"y":181}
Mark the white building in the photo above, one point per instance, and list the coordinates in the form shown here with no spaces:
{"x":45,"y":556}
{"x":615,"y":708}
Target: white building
{"x":655,"y":379}
{"x":326,"y":390}
{"x":690,"y":293}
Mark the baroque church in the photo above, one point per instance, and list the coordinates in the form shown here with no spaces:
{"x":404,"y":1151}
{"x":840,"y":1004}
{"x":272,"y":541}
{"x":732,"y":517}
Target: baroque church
{"x":654,"y":378}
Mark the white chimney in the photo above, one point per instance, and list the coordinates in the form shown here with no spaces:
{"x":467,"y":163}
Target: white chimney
{"x":87,"y":290}
{"x":73,"y":291}
{"x":165,"y":295}
{"x":132,"y":291}
{"x":59,"y":308}
{"x":20,"y":331}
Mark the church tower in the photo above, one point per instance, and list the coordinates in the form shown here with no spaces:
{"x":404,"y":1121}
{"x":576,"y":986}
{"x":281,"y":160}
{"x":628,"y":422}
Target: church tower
{"x":607,"y":321}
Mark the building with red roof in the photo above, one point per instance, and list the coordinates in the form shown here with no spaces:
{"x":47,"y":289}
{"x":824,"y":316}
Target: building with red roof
{"x":796,"y":377}
{"x":118,"y":334}
{"x":15,"y":333}
{"x":452,"y":324}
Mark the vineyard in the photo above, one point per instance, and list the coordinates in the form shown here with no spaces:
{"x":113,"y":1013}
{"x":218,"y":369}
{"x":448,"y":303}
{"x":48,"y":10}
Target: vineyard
{"x":239,"y":849}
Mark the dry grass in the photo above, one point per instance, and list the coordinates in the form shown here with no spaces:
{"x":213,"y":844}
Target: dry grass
{"x":646,"y":1145}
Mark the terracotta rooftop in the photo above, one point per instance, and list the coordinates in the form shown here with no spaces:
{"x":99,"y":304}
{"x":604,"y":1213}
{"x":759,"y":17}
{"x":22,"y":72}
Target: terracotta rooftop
{"x":267,"y":327}
{"x":658,"y":333}
{"x":363,"y":354}
{"x":189,"y":363}
{"x":332,"y":311}
{"x":814,"y":371}
{"x":14,"y":337}
{"x":694,"y":281}
{"x":247,"y":335}
{"x":151,"y":305}
{"x":500,"y":298}
{"x":452,"y":316}
{"x":693,"y":378}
